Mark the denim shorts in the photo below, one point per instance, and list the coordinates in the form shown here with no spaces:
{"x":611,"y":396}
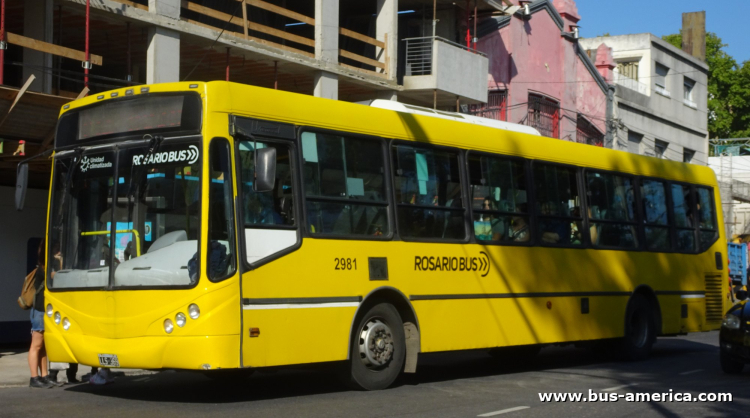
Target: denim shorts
{"x":37,"y":320}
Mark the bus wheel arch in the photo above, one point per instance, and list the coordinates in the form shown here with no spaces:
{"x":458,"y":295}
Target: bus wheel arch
{"x":653,"y":302}
{"x":640,"y":327}
{"x":408,"y":315}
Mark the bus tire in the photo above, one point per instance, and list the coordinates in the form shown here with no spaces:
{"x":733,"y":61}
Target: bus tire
{"x":640,"y":330}
{"x":729,"y":365}
{"x":377,"y":350}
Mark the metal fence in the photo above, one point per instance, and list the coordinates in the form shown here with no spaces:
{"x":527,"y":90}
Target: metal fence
{"x":419,"y":54}
{"x":496,"y":107}
{"x":586,"y":133}
{"x":544,"y":116}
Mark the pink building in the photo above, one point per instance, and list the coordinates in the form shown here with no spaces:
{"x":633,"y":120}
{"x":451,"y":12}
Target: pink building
{"x":540,"y":76}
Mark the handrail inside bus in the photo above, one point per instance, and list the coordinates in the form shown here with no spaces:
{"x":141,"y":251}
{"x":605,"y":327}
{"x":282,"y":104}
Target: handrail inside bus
{"x":120,"y":231}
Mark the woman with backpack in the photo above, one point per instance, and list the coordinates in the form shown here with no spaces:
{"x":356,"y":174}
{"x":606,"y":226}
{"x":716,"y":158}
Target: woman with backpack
{"x":37,"y":352}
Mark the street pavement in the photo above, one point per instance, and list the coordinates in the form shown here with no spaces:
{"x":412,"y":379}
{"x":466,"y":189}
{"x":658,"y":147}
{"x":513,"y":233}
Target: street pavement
{"x":464,"y":384}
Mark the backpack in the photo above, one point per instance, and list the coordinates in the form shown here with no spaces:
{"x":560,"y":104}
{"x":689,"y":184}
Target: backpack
{"x":26,"y":300}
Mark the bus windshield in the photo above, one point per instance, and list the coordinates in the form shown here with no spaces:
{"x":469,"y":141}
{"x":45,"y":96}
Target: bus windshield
{"x":151,"y":203}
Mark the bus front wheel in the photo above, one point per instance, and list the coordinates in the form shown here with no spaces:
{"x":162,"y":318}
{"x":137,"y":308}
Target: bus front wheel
{"x":377,"y":350}
{"x":640,"y":330}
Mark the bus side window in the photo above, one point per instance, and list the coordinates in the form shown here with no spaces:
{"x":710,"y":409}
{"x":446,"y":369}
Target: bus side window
{"x":266,"y":209}
{"x":611,"y":203}
{"x":345,"y":190}
{"x":428,"y":193}
{"x":498,"y":198}
{"x":683,"y":214}
{"x":557,"y":205}
{"x":221,"y":257}
{"x":656,"y":223}
{"x":706,"y":218}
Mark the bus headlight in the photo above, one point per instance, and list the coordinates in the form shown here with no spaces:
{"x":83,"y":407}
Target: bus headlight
{"x":731,"y":322}
{"x":57,"y":318}
{"x":66,"y":324}
{"x":49,"y":310}
{"x":168,"y":326}
{"x":180,"y":319}
{"x":194,"y":311}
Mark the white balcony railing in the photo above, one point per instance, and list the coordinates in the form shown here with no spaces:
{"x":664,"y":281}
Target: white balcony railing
{"x":631,"y":84}
{"x":437,"y":64}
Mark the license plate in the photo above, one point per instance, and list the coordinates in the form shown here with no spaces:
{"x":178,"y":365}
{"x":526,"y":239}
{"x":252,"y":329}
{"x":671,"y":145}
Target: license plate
{"x":108,"y":360}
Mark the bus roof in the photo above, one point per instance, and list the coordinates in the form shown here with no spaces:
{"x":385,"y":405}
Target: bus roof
{"x":454,"y":116}
{"x":394,"y":120}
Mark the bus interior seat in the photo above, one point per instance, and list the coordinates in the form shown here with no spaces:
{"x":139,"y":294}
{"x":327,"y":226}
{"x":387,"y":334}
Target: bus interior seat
{"x":168,"y":239}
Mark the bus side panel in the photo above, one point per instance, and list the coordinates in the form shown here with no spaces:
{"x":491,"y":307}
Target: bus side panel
{"x":291,"y":335}
{"x":482,"y":323}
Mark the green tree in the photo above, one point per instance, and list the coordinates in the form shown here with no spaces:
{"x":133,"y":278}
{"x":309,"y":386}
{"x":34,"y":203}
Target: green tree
{"x":728,"y":89}
{"x":741,"y":102}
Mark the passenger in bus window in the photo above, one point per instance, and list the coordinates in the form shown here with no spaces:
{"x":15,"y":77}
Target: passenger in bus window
{"x":487,"y":226}
{"x":554,"y":231}
{"x":260,"y":210}
{"x":519,"y":228}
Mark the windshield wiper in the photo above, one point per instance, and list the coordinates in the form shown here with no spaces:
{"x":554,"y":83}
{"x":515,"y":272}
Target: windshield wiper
{"x":153,"y":146}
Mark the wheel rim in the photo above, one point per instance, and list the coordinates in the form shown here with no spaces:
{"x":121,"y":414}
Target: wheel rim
{"x":375,"y":344}
{"x":639,"y":328}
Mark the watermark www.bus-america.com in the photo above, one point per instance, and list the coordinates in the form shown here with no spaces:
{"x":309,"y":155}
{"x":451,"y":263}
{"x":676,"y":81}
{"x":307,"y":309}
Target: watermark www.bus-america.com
{"x":670,"y":396}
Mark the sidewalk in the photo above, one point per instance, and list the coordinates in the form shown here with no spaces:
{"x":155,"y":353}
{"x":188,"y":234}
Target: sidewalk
{"x":14,"y":368}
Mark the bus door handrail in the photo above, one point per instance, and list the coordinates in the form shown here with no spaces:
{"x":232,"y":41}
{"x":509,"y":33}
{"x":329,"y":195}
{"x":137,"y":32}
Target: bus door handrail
{"x":120,"y":231}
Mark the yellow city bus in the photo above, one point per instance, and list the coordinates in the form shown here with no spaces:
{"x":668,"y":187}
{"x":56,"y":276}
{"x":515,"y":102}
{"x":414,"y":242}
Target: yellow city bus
{"x":213,"y":226}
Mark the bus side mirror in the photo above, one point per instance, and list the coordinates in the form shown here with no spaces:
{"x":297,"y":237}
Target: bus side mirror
{"x":265,"y":169}
{"x":22,"y":180}
{"x":741,"y":294}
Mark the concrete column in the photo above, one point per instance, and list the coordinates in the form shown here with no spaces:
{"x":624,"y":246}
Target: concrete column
{"x":327,"y":30}
{"x":326,"y":85}
{"x":387,"y":30}
{"x":168,"y":8}
{"x":163,"y":56}
{"x":327,"y":47}
{"x":37,"y":24}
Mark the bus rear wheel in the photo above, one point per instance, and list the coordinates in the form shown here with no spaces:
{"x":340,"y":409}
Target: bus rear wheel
{"x":640,"y":330}
{"x":377,"y":350}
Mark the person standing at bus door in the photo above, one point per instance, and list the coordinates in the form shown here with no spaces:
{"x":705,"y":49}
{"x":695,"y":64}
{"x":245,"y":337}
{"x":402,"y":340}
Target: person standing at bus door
{"x":37,"y":351}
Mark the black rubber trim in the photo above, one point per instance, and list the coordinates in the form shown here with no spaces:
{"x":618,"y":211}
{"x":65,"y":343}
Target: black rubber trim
{"x":680,"y":292}
{"x":275,"y":301}
{"x":516,"y":295}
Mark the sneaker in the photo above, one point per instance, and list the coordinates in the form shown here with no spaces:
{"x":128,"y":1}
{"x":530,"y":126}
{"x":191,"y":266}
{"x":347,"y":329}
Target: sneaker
{"x":39,"y":383}
{"x":72,"y":380}
{"x":103,"y":377}
{"x":86,"y":377}
{"x":52,"y":381}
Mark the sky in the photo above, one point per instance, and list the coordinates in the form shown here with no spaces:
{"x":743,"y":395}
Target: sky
{"x":727,"y":18}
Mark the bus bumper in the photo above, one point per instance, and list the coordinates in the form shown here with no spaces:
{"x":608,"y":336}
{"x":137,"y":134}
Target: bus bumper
{"x":189,"y":352}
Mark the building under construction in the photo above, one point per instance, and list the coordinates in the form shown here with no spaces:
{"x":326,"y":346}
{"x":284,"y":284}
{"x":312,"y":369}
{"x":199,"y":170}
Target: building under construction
{"x":419,"y":51}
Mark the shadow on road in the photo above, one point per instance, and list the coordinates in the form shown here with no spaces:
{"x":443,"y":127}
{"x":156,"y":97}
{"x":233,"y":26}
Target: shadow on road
{"x":193,"y":387}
